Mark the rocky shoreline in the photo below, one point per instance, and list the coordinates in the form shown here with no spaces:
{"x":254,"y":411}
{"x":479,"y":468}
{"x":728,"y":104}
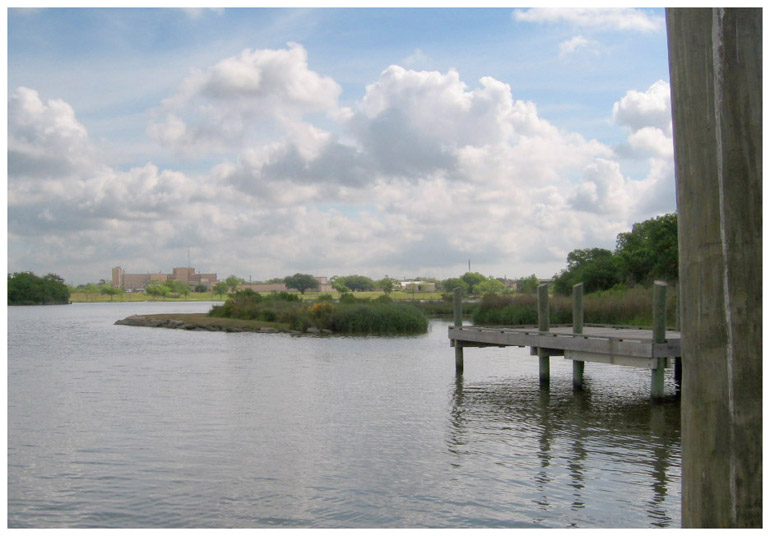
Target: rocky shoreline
{"x":195,"y":322}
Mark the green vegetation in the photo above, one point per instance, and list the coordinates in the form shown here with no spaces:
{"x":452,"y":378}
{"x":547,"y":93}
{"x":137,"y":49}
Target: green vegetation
{"x":352,"y":283}
{"x":619,"y":306}
{"x":80,"y":296}
{"x":648,"y":252}
{"x":25,"y":288}
{"x":301,"y":282}
{"x":616,"y":284}
{"x":108,"y":290}
{"x":349,"y":315}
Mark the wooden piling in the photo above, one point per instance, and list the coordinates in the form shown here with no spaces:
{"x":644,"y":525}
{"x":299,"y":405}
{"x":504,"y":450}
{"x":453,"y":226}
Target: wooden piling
{"x":458,"y":322}
{"x":543,"y":324}
{"x":658,"y":336}
{"x":577,"y":327}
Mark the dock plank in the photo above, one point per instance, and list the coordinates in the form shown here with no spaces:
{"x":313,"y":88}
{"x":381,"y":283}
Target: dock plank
{"x":607,"y":344}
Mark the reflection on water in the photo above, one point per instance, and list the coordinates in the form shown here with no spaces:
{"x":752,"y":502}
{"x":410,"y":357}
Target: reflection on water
{"x":575,"y":438}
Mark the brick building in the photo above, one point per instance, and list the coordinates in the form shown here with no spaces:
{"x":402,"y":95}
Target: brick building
{"x":323,"y":286}
{"x":139,"y":281}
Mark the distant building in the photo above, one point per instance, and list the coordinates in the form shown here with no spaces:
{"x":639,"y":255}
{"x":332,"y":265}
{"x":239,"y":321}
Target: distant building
{"x":140,"y":281}
{"x":418,"y":286}
{"x":264,"y":287}
{"x":323,"y":286}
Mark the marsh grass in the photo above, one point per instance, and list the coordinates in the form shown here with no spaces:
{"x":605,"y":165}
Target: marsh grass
{"x":621,"y":306}
{"x":349,"y":315}
{"x":84,"y":297}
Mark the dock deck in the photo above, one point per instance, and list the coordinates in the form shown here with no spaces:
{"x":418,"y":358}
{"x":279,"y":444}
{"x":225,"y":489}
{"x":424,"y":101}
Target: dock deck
{"x":654,"y":349}
{"x":598,"y":344}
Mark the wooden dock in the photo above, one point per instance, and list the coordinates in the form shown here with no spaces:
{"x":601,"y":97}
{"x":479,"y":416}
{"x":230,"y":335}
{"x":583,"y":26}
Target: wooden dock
{"x":655,"y":349}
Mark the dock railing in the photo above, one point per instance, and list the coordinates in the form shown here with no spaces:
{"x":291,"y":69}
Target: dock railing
{"x":654,"y":349}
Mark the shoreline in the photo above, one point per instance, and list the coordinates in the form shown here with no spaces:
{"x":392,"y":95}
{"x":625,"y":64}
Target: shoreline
{"x":203,"y":322}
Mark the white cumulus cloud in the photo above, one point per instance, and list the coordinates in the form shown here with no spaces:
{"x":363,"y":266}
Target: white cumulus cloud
{"x":422,"y":173}
{"x":607,"y":19}
{"x":242,"y":98}
{"x":577,"y":43}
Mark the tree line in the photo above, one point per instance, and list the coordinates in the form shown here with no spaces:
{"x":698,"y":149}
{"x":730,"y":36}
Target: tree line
{"x":648,"y":252}
{"x":25,"y":288}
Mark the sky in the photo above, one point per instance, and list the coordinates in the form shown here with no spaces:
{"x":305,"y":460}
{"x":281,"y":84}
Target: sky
{"x":400,"y":142}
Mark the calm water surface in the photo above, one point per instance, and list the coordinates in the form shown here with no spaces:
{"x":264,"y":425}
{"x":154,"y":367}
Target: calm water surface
{"x":119,"y":426}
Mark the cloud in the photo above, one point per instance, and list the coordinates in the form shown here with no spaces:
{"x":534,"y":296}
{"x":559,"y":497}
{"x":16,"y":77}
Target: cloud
{"x":45,"y":140}
{"x":600,"y":19}
{"x":422,"y":173}
{"x":578,"y":42}
{"x":651,"y":108}
{"x":646,"y":117}
{"x":242,"y":99}
{"x":416,"y":59}
{"x":198,"y":12}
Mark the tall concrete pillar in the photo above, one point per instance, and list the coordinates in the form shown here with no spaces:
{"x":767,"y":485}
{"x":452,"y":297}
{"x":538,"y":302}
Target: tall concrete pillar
{"x":715,"y":58}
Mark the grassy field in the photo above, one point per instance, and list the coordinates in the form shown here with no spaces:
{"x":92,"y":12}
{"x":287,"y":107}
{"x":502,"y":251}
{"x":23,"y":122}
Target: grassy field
{"x":82,"y":297}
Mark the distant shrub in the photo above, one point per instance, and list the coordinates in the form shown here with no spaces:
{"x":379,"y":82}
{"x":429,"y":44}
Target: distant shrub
{"x":377,"y":319}
{"x":353,"y":316}
{"x":25,"y":288}
{"x":506,"y":309}
{"x":619,"y":306}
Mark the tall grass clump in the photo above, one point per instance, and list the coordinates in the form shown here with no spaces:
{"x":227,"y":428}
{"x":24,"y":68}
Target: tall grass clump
{"x":282,"y":307}
{"x":626,"y":306}
{"x":348,"y":316}
{"x":618,"y":306}
{"x":517,"y":310}
{"x":377,"y":319}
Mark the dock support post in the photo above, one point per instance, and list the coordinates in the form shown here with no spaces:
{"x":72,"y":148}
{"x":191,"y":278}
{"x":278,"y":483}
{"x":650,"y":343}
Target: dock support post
{"x":458,"y":322}
{"x":577,"y":327}
{"x":659,"y":336}
{"x":543,"y":324}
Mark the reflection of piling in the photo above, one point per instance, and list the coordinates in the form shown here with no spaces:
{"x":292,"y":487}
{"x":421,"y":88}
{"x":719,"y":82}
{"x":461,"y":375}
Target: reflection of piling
{"x":577,"y":327}
{"x":458,"y":310}
{"x":658,"y":336}
{"x":543,"y":324}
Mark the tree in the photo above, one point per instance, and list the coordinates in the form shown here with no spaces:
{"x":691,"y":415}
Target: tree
{"x":388,"y":284}
{"x":650,"y":251}
{"x":25,"y":288}
{"x":596,"y":268}
{"x":452,"y":283}
{"x":472,"y":279}
{"x":200,"y":287}
{"x":233,"y":283}
{"x":220,"y":287}
{"x":527,"y":285}
{"x":489,"y":286}
{"x":90,"y":289}
{"x":157,"y":290}
{"x":179,"y":287}
{"x":354,"y":282}
{"x":301,"y":282}
{"x":110,"y":291}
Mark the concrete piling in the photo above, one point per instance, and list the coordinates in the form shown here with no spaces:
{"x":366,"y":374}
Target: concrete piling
{"x":543,"y":324}
{"x":715,"y":62}
{"x":458,"y":322}
{"x":657,"y":380}
{"x":577,"y":327}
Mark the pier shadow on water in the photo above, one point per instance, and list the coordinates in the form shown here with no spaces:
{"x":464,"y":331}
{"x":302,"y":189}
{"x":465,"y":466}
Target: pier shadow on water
{"x":581,"y":457}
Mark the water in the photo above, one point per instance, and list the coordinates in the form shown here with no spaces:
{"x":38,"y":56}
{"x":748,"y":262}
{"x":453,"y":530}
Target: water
{"x":119,"y":426}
